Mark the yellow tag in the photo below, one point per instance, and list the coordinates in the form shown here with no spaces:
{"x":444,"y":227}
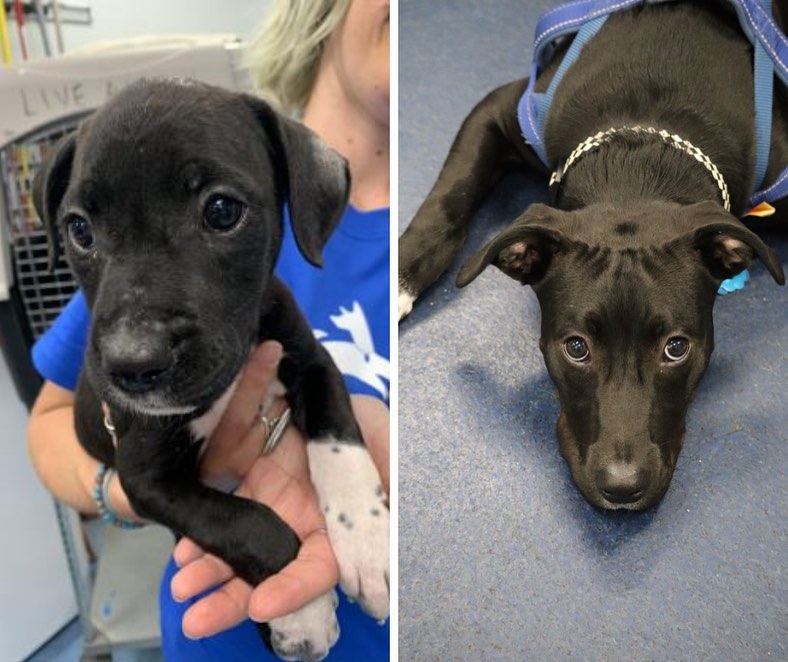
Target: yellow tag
{"x":763,"y":210}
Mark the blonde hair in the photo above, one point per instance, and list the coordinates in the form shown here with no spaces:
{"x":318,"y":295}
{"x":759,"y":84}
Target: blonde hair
{"x":284,"y":56}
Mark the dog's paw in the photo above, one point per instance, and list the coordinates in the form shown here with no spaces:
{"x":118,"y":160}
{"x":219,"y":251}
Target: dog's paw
{"x":309,"y":633}
{"x":357,"y":518}
{"x":405,"y":302}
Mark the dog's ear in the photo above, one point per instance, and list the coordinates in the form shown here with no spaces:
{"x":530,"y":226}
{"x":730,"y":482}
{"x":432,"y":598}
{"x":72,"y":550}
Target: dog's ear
{"x":726,"y":246}
{"x":523,"y":251}
{"x":49,"y":186}
{"x":316,"y":180}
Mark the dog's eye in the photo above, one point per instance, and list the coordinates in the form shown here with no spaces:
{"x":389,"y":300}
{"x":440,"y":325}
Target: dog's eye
{"x":677,"y":348}
{"x":576,"y":349}
{"x":80,"y":232}
{"x":223,"y":213}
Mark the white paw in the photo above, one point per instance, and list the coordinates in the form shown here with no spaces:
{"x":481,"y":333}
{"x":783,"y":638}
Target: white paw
{"x":357,"y":518}
{"x":309,"y":633}
{"x":405,"y":302}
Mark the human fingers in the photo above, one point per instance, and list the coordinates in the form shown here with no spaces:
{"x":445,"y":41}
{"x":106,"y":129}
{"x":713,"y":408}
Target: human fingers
{"x":186,"y":551}
{"x":238,"y":438}
{"x":218,"y":611}
{"x":287,"y":460}
{"x":311,"y":574}
{"x":198,"y":576}
{"x":373,"y":420}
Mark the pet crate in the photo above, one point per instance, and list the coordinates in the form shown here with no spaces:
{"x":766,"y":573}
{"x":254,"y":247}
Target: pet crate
{"x":41,"y":102}
{"x":42,"y":292}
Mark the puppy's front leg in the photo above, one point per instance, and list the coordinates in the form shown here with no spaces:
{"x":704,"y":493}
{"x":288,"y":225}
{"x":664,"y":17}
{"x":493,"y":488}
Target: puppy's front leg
{"x":156,"y":460}
{"x":488,"y":145}
{"x":345,"y":478}
{"x":357,"y":518}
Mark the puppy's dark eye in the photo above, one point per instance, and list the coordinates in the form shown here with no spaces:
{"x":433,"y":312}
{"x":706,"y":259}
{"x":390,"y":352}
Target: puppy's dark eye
{"x":576,"y":349}
{"x":677,"y":348}
{"x":223,"y":213}
{"x":80,"y":232}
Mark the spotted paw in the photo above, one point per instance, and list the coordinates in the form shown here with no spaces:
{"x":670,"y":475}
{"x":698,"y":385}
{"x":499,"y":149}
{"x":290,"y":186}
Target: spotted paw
{"x":357,"y":518}
{"x":309,"y":633}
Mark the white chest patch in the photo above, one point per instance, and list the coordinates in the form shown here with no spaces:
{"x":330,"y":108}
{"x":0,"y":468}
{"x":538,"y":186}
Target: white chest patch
{"x":202,"y":428}
{"x":357,"y":519}
{"x":163,"y":411}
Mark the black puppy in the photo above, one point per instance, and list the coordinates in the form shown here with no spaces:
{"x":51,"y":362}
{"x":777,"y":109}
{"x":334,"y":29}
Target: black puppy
{"x":627,"y":264}
{"x":170,"y":199}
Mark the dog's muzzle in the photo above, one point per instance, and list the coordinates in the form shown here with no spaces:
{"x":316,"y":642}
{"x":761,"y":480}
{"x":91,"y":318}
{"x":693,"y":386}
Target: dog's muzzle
{"x":138,"y":359}
{"x":622,"y":483}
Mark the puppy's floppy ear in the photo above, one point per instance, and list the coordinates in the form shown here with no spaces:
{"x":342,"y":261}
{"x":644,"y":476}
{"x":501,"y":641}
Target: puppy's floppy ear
{"x":726,"y":246}
{"x":49,"y":186}
{"x":523,"y":251}
{"x":316,"y":179}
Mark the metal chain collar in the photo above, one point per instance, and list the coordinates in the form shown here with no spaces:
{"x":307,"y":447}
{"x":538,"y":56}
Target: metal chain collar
{"x":592,"y":142}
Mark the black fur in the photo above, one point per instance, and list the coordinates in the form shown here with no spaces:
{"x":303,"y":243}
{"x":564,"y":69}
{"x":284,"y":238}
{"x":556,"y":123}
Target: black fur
{"x":140,"y":170}
{"x":639,"y":242}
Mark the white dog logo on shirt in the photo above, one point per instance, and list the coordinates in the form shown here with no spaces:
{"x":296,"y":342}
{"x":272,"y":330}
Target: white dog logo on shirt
{"x":357,"y":357}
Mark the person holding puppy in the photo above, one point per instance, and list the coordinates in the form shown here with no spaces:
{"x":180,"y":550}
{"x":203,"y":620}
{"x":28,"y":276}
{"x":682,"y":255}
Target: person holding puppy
{"x":330,"y":60}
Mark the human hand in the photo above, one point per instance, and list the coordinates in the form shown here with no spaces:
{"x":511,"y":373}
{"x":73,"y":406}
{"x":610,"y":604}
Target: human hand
{"x":280,"y":480}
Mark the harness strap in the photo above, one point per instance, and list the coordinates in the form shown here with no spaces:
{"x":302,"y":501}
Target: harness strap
{"x":771,"y":48}
{"x":586,"y":17}
{"x":566,"y":19}
{"x":777,"y":191}
{"x":586,"y":32}
{"x":755,"y":17}
{"x":763,"y":83}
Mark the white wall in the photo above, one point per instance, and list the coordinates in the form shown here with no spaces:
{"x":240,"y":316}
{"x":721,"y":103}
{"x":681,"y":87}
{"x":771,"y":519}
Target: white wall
{"x":120,"y":19}
{"x":36,"y":593}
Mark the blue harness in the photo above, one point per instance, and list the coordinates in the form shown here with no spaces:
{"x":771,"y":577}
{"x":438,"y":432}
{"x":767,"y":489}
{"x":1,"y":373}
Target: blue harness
{"x":585,"y":17}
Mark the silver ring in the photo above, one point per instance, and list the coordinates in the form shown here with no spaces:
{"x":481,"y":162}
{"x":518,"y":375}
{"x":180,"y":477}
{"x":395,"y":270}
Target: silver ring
{"x":274,"y":430}
{"x":266,"y":424}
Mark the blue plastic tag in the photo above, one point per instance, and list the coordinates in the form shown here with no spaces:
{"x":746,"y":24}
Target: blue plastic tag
{"x":735,"y":283}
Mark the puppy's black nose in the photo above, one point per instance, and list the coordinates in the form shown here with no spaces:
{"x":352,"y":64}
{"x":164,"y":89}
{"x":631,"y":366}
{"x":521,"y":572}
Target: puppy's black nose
{"x":137,"y":362}
{"x":137,"y":380}
{"x":620,"y":482}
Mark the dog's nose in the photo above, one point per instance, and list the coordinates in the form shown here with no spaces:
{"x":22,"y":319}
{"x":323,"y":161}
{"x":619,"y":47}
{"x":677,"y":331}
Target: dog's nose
{"x":137,"y":362}
{"x":621,"y":482}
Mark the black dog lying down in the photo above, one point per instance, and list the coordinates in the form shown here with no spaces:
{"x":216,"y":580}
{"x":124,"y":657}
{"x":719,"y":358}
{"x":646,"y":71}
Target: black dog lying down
{"x":170,"y":200}
{"x":627,"y":265}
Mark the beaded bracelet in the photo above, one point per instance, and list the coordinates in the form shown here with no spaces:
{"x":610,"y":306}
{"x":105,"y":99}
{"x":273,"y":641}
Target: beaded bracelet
{"x":101,"y":497}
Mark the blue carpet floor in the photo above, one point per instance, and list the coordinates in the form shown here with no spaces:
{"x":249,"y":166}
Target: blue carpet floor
{"x":500,"y":557}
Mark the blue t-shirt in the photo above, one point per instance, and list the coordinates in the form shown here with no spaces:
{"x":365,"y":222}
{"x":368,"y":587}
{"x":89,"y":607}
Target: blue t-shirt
{"x":347,"y":301}
{"x":347,"y":305}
